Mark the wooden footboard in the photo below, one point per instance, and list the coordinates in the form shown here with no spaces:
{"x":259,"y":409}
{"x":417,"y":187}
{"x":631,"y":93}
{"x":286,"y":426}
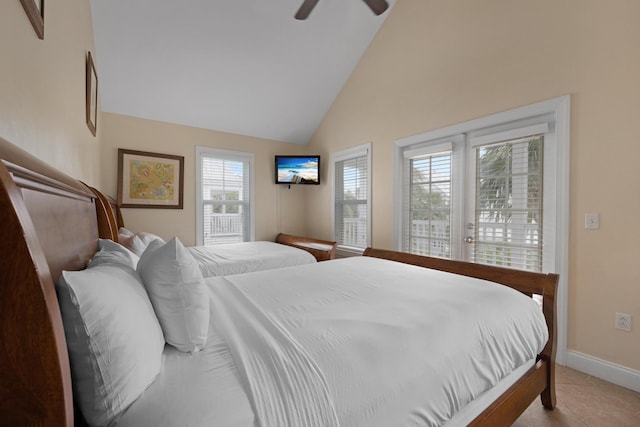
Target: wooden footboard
{"x":323,"y":250}
{"x":537,"y":381}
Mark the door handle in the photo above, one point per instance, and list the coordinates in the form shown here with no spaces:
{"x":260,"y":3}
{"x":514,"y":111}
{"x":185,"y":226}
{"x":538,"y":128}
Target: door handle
{"x":468,"y":239}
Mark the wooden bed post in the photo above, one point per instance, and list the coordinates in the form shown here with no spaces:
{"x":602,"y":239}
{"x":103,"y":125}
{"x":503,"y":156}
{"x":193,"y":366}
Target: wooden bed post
{"x":107,"y":221}
{"x":549,"y":310}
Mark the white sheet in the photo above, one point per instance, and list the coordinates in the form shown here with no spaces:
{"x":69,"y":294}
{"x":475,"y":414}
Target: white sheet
{"x":395,"y":345}
{"x":200,"y":389}
{"x":247,"y":257}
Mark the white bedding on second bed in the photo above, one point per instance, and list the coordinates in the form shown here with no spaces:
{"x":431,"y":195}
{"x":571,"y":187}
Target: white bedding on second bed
{"x":247,"y":257}
{"x":377,"y":343}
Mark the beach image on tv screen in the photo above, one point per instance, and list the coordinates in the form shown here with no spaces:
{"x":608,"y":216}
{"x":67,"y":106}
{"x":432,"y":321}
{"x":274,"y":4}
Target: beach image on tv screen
{"x":298,"y":170}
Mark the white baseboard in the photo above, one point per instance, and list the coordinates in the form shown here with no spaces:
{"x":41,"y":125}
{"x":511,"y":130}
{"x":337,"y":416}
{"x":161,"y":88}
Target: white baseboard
{"x":608,"y":371}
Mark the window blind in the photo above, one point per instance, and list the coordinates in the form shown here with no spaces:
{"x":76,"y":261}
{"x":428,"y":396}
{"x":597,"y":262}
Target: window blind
{"x":225,"y":194}
{"x":428,"y":200}
{"x":351,"y":200}
{"x":509,"y":208}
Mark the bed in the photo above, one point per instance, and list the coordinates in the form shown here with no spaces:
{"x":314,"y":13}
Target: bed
{"x":49,"y":225}
{"x":220,"y":260}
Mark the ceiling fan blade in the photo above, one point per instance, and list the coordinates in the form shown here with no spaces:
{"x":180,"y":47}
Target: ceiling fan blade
{"x":377,"y":6}
{"x":306,"y":9}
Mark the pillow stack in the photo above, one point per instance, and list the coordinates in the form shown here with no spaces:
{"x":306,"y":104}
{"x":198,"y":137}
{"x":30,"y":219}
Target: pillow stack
{"x":117,"y":315}
{"x":114,"y":340}
{"x":110,"y":252}
{"x":176,"y":288}
{"x":136,"y":242}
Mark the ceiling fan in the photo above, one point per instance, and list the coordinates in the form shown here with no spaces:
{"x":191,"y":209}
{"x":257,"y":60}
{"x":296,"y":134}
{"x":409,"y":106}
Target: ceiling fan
{"x":377,"y":6}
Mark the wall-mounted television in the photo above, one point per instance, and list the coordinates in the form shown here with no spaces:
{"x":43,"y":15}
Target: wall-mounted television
{"x":298,"y":170}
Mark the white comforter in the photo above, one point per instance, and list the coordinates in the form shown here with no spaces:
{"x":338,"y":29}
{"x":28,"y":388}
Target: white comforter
{"x":247,"y":257}
{"x":355,"y":342}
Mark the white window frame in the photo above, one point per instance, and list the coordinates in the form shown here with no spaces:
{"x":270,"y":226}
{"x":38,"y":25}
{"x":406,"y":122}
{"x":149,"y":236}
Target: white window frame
{"x":338,"y":156}
{"x":450,"y":143}
{"x":556,"y":160}
{"x":239,"y":156}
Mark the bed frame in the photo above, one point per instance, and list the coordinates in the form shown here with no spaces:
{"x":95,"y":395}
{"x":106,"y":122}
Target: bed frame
{"x":323,"y":250}
{"x":110,"y":220}
{"x":49,"y":223}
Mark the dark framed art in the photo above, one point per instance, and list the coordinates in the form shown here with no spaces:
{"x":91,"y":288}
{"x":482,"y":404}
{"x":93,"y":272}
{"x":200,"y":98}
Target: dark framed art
{"x":35,"y":12}
{"x":150,"y":180}
{"x":91,"y":95}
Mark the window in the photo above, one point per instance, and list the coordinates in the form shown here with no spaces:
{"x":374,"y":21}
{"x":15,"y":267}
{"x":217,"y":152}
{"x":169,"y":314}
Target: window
{"x":224,"y":196}
{"x":485,"y":195}
{"x":427,"y":188}
{"x":508,"y":212}
{"x":500,"y":215}
{"x":352,"y":214}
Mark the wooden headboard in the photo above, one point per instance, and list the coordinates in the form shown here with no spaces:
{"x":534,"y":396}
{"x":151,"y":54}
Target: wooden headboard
{"x":49,"y":224}
{"x":106,"y":215}
{"x":109,"y":216}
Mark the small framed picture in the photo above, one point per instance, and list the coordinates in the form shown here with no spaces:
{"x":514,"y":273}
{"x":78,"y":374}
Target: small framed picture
{"x":35,"y":12}
{"x":92,"y":95}
{"x":150,"y":180}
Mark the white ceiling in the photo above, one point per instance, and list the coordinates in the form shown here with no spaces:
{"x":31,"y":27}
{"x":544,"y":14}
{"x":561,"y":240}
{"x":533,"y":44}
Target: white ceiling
{"x":239,"y":66}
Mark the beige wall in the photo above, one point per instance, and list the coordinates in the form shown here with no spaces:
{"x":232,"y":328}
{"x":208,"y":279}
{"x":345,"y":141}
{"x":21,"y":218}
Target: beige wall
{"x":438,"y":63}
{"x":42,"y":86}
{"x":277,"y":208}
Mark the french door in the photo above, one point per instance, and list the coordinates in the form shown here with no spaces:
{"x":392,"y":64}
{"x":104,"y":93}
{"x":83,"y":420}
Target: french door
{"x":483,"y":196}
{"x":506,"y":207}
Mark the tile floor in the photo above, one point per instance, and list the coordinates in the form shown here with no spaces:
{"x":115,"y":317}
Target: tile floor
{"x":583,"y":400}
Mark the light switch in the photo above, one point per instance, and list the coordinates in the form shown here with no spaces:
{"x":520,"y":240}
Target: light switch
{"x":592,"y":221}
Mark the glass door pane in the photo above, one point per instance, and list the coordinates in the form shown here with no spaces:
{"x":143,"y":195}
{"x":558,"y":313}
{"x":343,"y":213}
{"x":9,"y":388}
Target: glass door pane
{"x":430,"y":205}
{"x":506,"y":229}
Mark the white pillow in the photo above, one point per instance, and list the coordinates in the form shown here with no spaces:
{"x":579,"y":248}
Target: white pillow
{"x":137,"y":242}
{"x":178,"y":294}
{"x":114,"y":340}
{"x":110,"y":252}
{"x":125,"y":232}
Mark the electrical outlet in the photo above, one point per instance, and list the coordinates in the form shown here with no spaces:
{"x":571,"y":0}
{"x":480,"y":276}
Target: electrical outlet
{"x":623,"y":322}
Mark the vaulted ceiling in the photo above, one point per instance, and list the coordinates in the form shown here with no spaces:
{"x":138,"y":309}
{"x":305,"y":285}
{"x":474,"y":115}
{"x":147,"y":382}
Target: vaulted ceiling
{"x":239,"y":66}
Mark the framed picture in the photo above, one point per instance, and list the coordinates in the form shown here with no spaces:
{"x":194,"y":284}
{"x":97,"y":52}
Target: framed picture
{"x":35,"y":12}
{"x":92,"y":95}
{"x":150,"y":180}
